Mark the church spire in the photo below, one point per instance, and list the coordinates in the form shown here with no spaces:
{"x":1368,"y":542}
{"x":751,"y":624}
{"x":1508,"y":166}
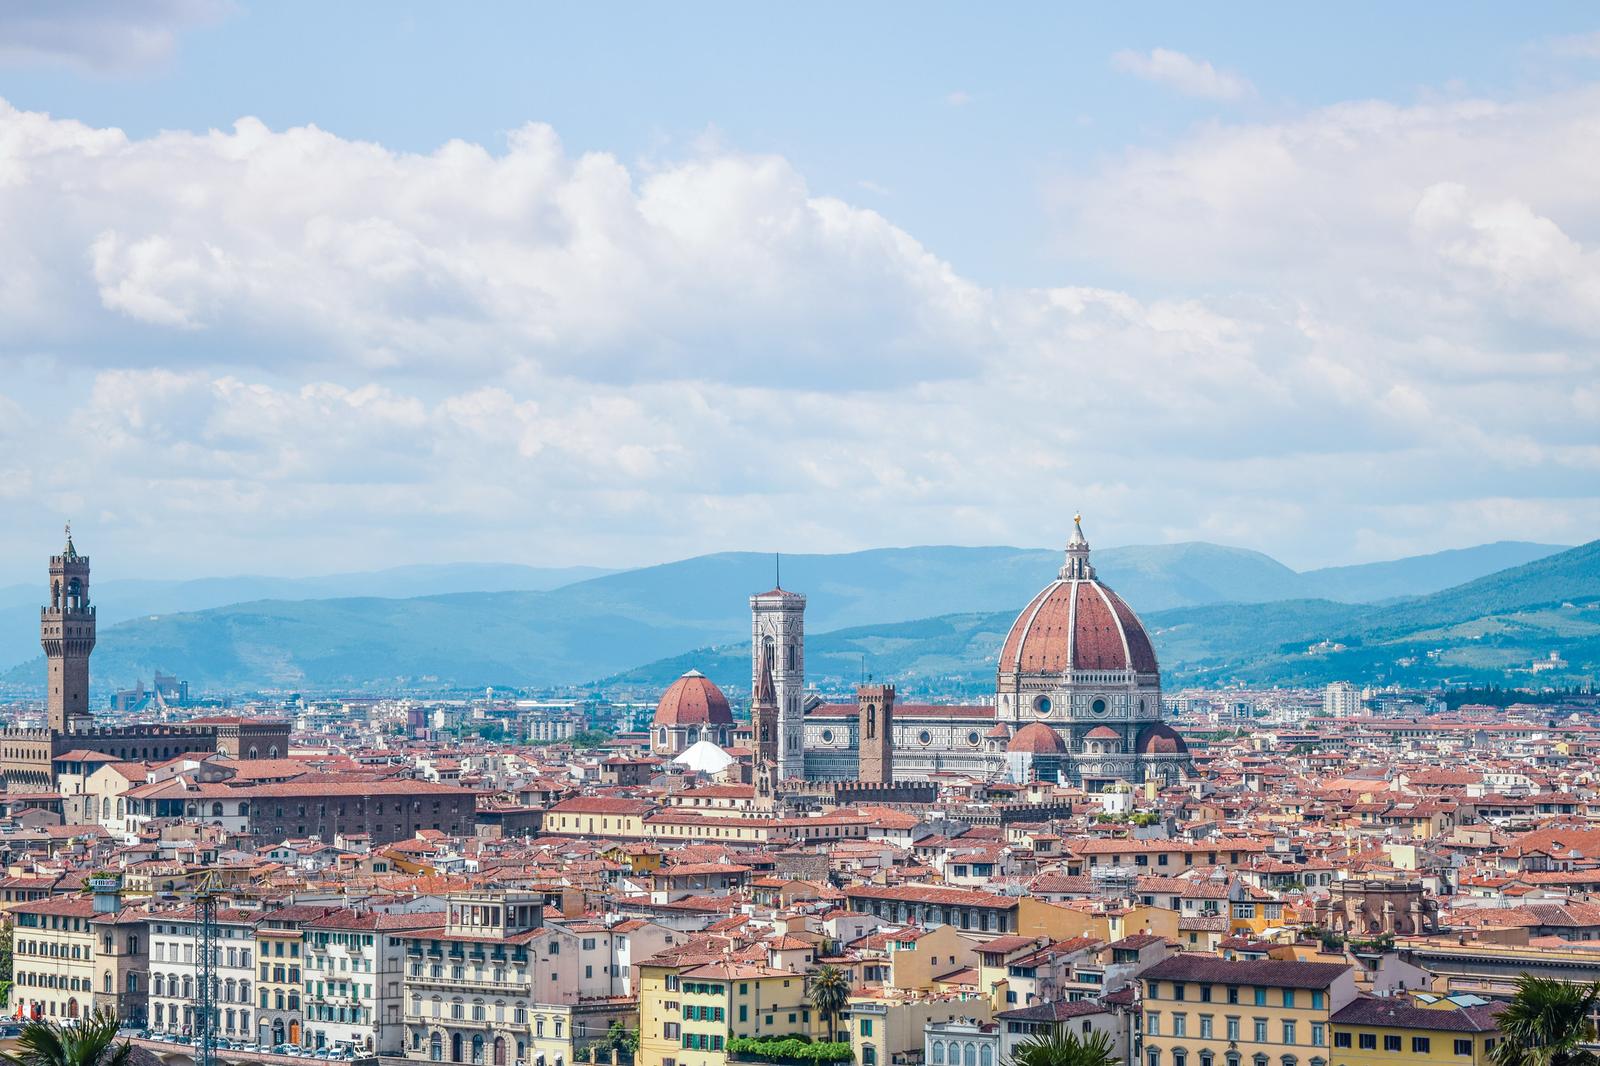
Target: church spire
{"x":1077,"y":567}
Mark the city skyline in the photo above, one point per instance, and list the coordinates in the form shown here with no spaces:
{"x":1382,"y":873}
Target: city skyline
{"x":710,"y":281}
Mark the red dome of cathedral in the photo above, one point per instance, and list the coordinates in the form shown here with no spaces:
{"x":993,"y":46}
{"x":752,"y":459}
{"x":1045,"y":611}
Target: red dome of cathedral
{"x":1160,"y":739}
{"x":1102,"y":732}
{"x":1076,"y":623}
{"x":1037,"y":739}
{"x":693,"y":700}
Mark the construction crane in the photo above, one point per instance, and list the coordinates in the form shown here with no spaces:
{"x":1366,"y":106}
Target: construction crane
{"x":205,"y":963}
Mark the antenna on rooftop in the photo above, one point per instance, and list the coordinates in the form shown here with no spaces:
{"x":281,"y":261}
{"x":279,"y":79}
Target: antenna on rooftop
{"x":777,"y":570}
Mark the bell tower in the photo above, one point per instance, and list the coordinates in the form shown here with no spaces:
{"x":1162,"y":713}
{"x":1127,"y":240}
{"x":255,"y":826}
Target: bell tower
{"x":764,"y":724}
{"x":875,"y":733}
{"x":66,"y":630}
{"x":778,"y":640}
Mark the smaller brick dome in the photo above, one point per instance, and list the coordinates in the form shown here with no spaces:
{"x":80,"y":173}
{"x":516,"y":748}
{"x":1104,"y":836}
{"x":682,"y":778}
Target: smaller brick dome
{"x":999,"y":732}
{"x":1160,"y":739}
{"x":1037,"y":739}
{"x":693,"y":700}
{"x":1102,"y":732}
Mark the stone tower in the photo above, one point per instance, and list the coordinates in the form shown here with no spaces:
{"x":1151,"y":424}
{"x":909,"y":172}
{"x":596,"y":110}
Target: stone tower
{"x":777,"y":636}
{"x":66,"y":630}
{"x":875,"y":707}
{"x":764,"y":726}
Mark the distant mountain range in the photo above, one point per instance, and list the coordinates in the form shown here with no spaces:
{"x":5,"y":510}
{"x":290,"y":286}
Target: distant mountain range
{"x":1492,"y":629}
{"x":913,"y":611}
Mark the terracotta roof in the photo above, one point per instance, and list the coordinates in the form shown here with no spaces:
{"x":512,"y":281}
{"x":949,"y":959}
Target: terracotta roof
{"x":1272,"y":973}
{"x":693,"y":700}
{"x":1080,"y":625}
{"x":1404,"y":1014}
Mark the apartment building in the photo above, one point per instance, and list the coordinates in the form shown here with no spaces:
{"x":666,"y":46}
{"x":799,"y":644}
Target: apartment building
{"x":73,"y":956}
{"x":688,"y":1012}
{"x":353,"y":965}
{"x":473,"y":987}
{"x":279,"y":942}
{"x":1416,"y":1030}
{"x":174,"y":972}
{"x":1206,"y":1011}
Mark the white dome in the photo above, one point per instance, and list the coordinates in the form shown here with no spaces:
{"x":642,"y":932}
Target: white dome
{"x":704,"y":757}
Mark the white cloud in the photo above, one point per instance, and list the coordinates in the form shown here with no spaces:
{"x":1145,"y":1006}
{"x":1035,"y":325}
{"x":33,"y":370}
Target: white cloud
{"x":1581,"y":45}
{"x":283,"y":342}
{"x":724,"y":262}
{"x":958,"y":98}
{"x":1189,"y":76}
{"x":105,"y":36}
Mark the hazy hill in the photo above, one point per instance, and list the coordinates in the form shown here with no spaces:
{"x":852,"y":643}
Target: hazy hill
{"x":1419,"y":575}
{"x":118,"y":600}
{"x":877,"y":603}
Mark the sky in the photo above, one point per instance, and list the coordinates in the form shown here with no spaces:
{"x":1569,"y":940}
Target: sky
{"x":297,"y":288}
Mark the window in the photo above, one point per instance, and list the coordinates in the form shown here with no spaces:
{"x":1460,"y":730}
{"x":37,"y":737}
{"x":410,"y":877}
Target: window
{"x":1179,"y":990}
{"x":1153,"y":991}
{"x":1261,"y":997}
{"x":1367,"y":1041}
{"x":1421,"y":1045}
{"x":1316,"y":1001}
{"x":1180,"y":1025}
{"x":1152,"y":1024}
{"x":1205,"y":993}
{"x":1261,"y":1030}
{"x":1233,"y":1029}
{"x":1233,"y":993}
{"x":1288,"y":1033}
{"x":1391,"y":1043}
{"x":1205,"y":1027}
{"x":1319,"y":1034}
{"x":1288,"y":997}
{"x":1463,"y":1047}
{"x":866,"y":1026}
{"x":1341,"y":1039}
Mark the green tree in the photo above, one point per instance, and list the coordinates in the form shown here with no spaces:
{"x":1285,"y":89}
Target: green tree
{"x":620,"y":1042}
{"x":1061,"y":1047}
{"x":1546,"y":1023}
{"x":92,"y":1042}
{"x":830,"y":988}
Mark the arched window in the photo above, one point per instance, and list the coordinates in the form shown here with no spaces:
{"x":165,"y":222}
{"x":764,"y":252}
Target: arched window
{"x":455,"y":1047}
{"x":969,"y":1055}
{"x":272,"y":752}
{"x":216,"y":810}
{"x":938,"y":1053}
{"x":160,"y":985}
{"x":477,"y":1048}
{"x":107,"y":982}
{"x":986,"y":1056}
{"x":435,"y":1047}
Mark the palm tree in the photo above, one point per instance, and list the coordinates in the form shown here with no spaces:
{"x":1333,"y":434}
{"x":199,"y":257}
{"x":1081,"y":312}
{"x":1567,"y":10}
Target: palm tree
{"x":92,"y":1042}
{"x":1060,"y":1047}
{"x":830,"y":988}
{"x":1546,"y":1023}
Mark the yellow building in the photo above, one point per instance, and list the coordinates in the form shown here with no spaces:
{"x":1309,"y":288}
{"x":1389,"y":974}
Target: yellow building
{"x":278,"y":942}
{"x":689,"y":1012}
{"x":1206,"y":1011}
{"x":1420,"y":1030}
{"x":598,"y":816}
{"x":884,"y":1028}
